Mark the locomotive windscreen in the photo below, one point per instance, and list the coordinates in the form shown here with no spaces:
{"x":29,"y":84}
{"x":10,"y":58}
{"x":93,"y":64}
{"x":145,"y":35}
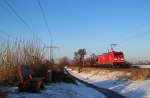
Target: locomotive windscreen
{"x":118,"y":54}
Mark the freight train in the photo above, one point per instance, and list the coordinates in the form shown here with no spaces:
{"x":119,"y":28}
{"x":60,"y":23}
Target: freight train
{"x":112,"y":58}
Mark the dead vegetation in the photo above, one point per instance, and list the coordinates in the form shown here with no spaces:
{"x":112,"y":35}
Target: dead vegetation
{"x":59,"y":74}
{"x":119,"y":73}
{"x":16,"y":53}
{"x":140,"y":74}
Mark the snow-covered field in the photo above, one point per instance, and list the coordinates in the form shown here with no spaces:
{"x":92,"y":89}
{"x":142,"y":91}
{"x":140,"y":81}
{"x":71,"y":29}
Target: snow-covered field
{"x":128,"y":88}
{"x":142,"y":66}
{"x":57,"y":90}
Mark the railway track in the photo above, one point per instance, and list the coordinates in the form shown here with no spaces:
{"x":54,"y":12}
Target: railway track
{"x":108,"y":93}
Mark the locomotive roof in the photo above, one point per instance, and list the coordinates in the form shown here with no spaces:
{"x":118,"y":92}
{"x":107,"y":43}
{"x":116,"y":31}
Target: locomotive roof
{"x":111,"y":52}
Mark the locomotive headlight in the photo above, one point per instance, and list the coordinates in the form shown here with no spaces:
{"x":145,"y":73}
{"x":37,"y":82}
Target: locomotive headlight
{"x":115,"y":59}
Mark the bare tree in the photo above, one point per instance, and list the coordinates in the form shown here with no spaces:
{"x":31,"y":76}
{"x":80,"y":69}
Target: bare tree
{"x":93,"y":59}
{"x":79,"y":57}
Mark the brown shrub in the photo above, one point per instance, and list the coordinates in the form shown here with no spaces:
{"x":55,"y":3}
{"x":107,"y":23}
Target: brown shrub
{"x":140,"y":74}
{"x":124,"y":73}
{"x":64,"y":61}
{"x":8,"y":73}
{"x":17,"y":53}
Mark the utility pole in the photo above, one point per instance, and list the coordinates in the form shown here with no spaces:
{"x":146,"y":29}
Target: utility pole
{"x":51,"y":49}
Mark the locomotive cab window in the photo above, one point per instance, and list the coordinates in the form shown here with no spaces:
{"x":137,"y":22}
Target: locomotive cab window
{"x":118,"y":54}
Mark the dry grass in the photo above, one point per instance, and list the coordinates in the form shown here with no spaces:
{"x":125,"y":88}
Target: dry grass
{"x":8,"y":73}
{"x":122,"y":74}
{"x":13,"y":54}
{"x":140,"y":74}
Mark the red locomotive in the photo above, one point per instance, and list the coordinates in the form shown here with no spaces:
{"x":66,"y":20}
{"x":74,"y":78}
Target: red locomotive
{"x":111,"y":58}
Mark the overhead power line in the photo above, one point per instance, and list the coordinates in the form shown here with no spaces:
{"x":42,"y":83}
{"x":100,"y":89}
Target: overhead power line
{"x":22,"y":20}
{"x":19,"y":17}
{"x":133,"y":37}
{"x":44,"y":18}
{"x":6,"y":34}
{"x":51,"y":50}
{"x":51,"y":47}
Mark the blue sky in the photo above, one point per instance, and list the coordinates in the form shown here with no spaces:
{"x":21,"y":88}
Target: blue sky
{"x":90,"y":24}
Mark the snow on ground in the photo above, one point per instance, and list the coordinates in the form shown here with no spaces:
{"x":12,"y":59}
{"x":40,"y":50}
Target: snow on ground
{"x":128,"y":88}
{"x":58,"y":90}
{"x":142,"y":66}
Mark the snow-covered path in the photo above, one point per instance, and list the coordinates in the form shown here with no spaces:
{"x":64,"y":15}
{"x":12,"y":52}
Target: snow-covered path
{"x":128,"y":88}
{"x":58,"y":90}
{"x":108,"y":93}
